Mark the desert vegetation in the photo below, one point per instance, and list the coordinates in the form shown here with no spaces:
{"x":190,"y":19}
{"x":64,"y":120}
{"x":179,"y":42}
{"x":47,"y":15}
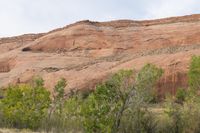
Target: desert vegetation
{"x":126,"y":103}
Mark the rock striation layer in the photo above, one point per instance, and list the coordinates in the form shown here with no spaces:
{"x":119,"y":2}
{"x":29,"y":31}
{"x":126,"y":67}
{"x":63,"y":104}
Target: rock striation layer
{"x":86,"y":53}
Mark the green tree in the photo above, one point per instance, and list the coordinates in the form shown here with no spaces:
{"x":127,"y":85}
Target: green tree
{"x":25,"y":106}
{"x":123,"y":95}
{"x":72,"y":114}
{"x":100,"y":108}
{"x":146,"y":80}
{"x":59,"y":90}
{"x":133,"y":109}
{"x":56,"y":119}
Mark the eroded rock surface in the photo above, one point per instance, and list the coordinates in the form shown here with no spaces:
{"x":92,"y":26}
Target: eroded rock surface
{"x":86,"y":52}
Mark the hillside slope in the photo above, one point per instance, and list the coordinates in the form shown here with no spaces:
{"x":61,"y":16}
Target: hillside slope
{"x":86,"y":52}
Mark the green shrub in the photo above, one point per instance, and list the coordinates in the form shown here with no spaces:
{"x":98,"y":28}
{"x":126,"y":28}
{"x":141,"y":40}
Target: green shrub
{"x":182,"y":118}
{"x":194,"y":73}
{"x":70,"y":120}
{"x":138,"y":120}
{"x":176,"y":114}
{"x":181,"y":95}
{"x":164,"y":124}
{"x":191,"y":116}
{"x":25,"y":106}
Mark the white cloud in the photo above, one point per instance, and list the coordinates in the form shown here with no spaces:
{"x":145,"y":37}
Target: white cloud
{"x":26,"y":16}
{"x":167,"y":8}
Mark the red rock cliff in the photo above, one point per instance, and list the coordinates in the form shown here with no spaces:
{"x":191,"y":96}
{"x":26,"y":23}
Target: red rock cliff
{"x":86,"y":52}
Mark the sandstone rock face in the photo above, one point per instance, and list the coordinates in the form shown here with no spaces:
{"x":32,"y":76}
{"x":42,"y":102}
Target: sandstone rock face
{"x":11,"y":43}
{"x":86,"y":53}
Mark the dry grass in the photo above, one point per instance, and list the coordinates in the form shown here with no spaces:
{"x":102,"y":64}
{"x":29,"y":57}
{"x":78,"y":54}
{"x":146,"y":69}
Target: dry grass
{"x":16,"y":131}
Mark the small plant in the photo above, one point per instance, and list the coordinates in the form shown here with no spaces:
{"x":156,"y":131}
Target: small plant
{"x":175,"y":113}
{"x":181,"y":95}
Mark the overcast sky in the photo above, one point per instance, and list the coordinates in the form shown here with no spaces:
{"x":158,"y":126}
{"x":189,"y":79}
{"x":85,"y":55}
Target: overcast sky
{"x":33,"y":16}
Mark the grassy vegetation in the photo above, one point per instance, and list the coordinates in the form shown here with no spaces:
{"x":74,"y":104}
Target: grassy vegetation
{"x":125,"y":103}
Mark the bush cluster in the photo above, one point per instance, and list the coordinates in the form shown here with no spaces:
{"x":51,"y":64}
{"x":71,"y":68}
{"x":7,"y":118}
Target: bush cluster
{"x":24,"y":106}
{"x":125,"y":103}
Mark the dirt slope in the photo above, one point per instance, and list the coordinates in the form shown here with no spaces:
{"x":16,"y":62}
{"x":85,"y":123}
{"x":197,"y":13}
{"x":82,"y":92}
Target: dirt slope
{"x":86,"y":52}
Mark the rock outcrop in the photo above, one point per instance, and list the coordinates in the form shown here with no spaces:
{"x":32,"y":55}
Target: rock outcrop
{"x":86,"y":53}
{"x":11,"y":43}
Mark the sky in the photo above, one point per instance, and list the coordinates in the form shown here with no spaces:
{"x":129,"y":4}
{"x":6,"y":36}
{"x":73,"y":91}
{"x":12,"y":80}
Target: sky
{"x":33,"y":16}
